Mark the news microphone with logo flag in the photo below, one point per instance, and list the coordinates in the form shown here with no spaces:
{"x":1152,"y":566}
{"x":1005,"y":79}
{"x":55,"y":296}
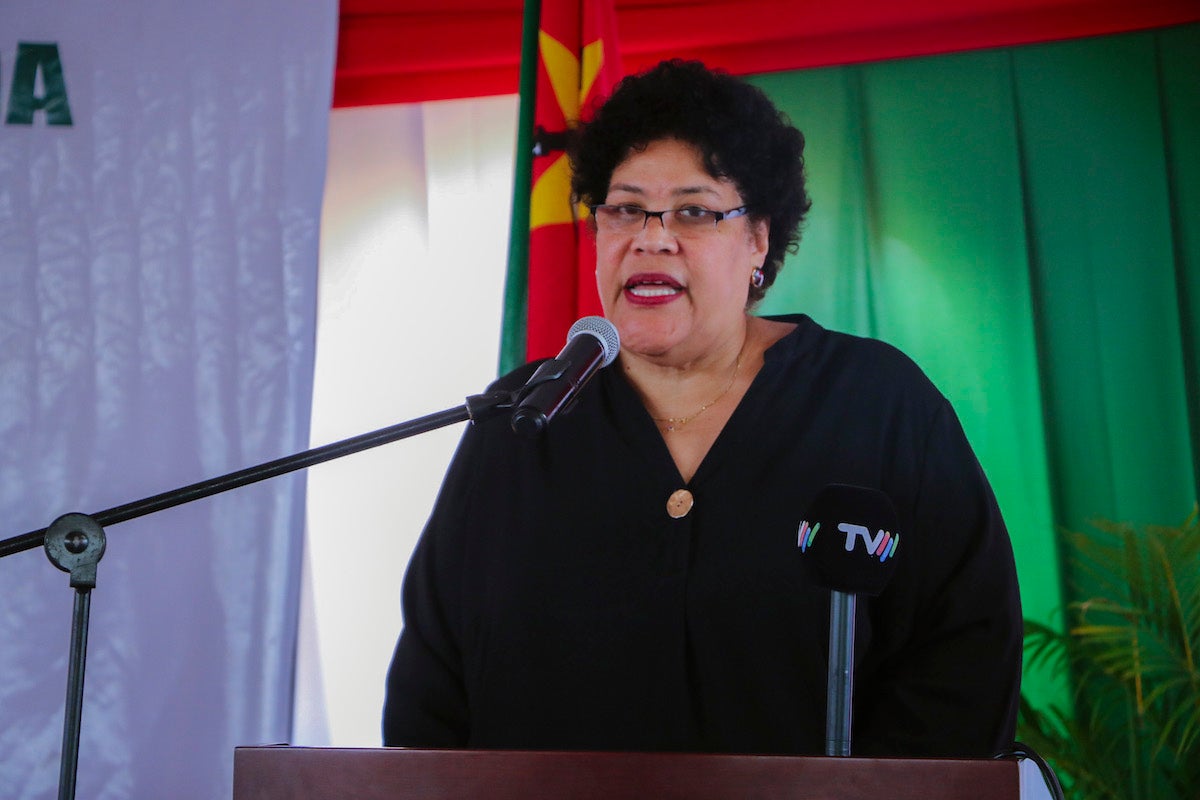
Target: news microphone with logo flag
{"x":848,"y":542}
{"x":592,"y":343}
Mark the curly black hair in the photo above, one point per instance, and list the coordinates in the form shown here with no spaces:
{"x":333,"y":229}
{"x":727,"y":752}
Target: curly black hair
{"x":739,"y":132}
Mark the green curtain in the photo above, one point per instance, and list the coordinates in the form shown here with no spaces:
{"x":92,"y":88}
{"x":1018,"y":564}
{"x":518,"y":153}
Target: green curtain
{"x":1024,"y":223}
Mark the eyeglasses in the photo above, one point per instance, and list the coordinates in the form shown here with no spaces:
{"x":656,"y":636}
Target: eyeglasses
{"x":686,"y":220}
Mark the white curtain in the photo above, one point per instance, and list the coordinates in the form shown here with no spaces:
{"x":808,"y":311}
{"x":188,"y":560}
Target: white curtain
{"x":157,"y":301}
{"x":413,"y":252}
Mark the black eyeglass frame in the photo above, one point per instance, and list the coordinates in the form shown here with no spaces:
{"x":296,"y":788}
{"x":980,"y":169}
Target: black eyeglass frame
{"x":717,"y":216}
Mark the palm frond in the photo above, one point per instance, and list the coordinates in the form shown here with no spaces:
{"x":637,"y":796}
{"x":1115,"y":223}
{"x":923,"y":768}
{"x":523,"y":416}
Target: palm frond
{"x":1132,"y":647}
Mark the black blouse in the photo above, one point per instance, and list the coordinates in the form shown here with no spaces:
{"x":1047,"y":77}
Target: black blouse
{"x":553,"y":603}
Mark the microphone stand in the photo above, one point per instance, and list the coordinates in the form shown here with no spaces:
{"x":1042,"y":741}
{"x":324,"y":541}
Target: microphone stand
{"x":75,"y":543}
{"x":839,"y":694}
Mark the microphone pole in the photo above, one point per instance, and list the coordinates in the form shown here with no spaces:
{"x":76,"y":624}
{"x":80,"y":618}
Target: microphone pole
{"x":75,"y":543}
{"x":839,"y":700}
{"x":835,"y":560}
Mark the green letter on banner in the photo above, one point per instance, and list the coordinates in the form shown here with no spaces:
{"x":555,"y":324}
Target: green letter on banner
{"x":21,"y":100}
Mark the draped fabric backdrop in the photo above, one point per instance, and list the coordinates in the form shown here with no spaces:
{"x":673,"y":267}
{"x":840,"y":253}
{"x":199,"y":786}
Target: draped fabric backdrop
{"x":1024,"y":223}
{"x":157,"y":295}
{"x":400,"y":51}
{"x":411,"y":292}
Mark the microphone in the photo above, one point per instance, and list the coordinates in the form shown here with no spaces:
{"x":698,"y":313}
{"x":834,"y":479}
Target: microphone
{"x":828,"y":540}
{"x":592,"y":343}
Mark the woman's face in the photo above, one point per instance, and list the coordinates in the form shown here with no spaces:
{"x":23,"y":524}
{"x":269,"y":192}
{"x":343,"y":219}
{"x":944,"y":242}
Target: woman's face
{"x":676,"y":295}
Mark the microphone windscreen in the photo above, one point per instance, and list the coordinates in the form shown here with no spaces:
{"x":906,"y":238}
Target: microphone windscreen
{"x":848,"y":539}
{"x":603,"y":330}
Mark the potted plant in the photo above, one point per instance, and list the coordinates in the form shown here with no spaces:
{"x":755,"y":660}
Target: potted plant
{"x":1132,"y":648}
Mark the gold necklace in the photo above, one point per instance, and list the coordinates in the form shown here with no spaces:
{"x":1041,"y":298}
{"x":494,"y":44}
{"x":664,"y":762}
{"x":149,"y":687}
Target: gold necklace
{"x":671,"y":423}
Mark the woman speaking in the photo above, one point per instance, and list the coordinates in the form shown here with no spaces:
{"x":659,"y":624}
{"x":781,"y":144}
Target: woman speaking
{"x":628,"y":580}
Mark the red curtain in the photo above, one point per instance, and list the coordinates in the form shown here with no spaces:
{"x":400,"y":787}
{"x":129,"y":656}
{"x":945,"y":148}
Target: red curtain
{"x":398,"y":51}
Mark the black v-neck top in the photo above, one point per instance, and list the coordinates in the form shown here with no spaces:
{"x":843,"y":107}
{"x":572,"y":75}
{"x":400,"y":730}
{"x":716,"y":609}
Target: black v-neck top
{"x":553,"y":603}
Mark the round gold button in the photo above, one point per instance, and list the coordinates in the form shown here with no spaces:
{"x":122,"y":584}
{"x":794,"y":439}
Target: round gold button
{"x":680,"y":503}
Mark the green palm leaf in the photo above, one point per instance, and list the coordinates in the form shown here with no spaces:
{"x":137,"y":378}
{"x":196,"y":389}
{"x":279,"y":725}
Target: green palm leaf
{"x":1132,"y":648}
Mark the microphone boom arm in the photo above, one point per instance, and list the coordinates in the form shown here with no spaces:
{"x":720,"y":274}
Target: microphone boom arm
{"x":75,"y":542}
{"x":475,"y":409}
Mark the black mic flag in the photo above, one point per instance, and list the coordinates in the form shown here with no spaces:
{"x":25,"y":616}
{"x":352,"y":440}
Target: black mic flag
{"x":848,"y":540}
{"x":848,"y":543}
{"x":592,"y":343}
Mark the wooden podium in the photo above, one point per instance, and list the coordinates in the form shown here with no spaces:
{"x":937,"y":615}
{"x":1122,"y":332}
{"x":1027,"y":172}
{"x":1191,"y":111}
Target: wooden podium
{"x":305,"y":773}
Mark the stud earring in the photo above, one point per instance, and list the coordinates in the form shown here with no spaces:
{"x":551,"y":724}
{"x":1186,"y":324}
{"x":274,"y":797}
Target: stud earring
{"x":757,"y":278}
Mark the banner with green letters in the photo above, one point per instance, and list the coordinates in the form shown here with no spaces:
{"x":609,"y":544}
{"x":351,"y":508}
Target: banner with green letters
{"x":161,"y":174}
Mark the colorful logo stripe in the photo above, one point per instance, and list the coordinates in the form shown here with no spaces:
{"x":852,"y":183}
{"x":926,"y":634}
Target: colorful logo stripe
{"x":806,"y":535}
{"x":888,"y":550}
